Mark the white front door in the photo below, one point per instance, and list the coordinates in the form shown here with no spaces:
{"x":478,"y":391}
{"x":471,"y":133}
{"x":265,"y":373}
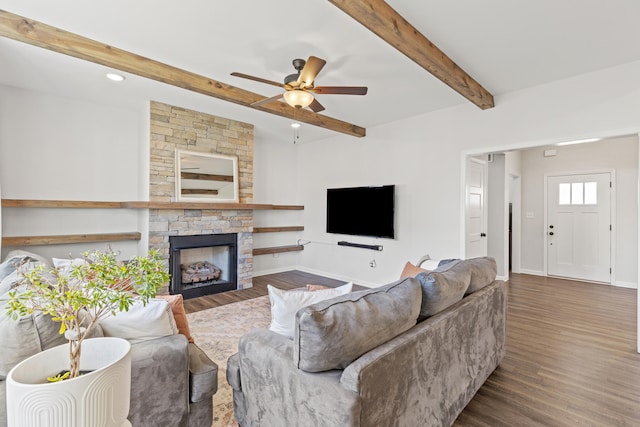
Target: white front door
{"x":476,"y":222}
{"x":579,"y":226}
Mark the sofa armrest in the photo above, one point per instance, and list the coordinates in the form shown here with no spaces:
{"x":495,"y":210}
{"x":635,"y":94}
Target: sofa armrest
{"x":233,"y":372}
{"x":160,"y":382}
{"x":203,"y":375}
{"x":275,"y":390}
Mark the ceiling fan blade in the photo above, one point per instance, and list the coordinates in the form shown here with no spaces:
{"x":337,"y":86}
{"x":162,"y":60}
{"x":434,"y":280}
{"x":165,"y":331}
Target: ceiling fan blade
{"x":340,"y":90}
{"x":310,"y":71}
{"x":257,"y":79}
{"x":266,"y":100}
{"x":315,"y":106}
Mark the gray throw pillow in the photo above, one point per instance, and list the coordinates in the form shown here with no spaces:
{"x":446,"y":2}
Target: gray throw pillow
{"x":333,"y":333}
{"x":443,"y":287}
{"x":9,"y":266}
{"x":483,"y":272}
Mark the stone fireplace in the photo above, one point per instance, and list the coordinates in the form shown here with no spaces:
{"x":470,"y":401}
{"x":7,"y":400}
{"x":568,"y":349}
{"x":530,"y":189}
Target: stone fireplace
{"x":178,"y":128}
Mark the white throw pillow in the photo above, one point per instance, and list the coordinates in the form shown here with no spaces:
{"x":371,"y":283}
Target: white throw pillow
{"x":430,"y":264}
{"x":285,"y":305}
{"x":141,"y":322}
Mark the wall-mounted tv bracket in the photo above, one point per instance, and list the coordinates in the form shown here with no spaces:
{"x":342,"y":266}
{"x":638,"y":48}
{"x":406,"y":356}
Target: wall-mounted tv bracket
{"x":360,"y":245}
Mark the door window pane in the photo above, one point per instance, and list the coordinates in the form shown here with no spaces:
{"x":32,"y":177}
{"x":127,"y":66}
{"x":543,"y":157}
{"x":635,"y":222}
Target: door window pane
{"x":590,"y":193}
{"x":576,"y":193}
{"x":564,"y":191}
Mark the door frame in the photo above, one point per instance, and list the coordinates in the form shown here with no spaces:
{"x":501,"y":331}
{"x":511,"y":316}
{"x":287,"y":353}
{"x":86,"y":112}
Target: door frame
{"x":612,"y":238}
{"x":465,"y":194}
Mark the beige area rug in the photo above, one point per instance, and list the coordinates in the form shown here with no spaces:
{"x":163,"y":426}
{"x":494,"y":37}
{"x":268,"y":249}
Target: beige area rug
{"x":217,"y":331}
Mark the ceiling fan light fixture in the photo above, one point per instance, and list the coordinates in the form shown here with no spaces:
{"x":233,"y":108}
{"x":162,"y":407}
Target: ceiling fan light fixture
{"x":298,"y":98}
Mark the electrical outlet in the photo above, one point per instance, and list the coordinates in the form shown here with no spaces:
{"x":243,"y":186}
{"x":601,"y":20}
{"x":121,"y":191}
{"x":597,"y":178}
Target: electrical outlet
{"x":372,"y":264}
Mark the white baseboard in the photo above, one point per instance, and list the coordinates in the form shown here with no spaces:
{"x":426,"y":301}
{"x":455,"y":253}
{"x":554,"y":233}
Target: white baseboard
{"x":337,"y":277}
{"x":617,"y":283}
{"x":532,"y":272}
{"x":274,"y":270}
{"x":621,"y":284}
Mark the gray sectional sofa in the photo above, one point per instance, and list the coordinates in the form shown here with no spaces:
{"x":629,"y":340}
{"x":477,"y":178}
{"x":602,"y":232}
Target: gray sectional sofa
{"x":411,"y":353}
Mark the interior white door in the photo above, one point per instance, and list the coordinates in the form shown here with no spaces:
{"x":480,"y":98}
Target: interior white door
{"x":579,"y":226}
{"x":475,"y":209}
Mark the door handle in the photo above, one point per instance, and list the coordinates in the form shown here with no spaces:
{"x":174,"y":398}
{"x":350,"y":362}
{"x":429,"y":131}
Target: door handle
{"x":551,"y":233}
{"x":551,"y":226}
{"x":483,"y":235}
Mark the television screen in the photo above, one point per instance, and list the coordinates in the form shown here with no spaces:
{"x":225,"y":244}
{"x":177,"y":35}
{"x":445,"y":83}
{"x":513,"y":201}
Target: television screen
{"x":361,"y":211}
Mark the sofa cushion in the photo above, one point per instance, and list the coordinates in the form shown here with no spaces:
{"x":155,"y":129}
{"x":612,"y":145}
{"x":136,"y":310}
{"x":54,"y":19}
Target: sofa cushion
{"x":443,"y":287}
{"x":483,"y":271}
{"x":331,"y":334}
{"x":285,"y":305}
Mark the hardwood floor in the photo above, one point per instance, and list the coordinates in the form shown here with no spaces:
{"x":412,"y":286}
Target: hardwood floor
{"x":571,"y":358}
{"x":571,"y":353}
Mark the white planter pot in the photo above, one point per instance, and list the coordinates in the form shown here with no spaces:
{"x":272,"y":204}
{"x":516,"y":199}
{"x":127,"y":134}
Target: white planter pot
{"x":97,"y":399}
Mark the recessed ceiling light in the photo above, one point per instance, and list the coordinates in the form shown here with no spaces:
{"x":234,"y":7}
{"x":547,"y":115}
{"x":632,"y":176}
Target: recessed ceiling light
{"x":295,"y":125}
{"x":115,"y":77}
{"x":579,"y":141}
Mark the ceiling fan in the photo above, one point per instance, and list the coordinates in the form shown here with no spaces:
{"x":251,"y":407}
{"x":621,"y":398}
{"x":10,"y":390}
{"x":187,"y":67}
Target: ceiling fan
{"x":299,"y":87}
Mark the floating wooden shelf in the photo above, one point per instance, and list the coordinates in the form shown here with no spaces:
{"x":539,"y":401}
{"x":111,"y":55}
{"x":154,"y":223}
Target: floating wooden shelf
{"x":278,"y":229}
{"x":68,"y":239}
{"x":197,"y":205}
{"x":277,"y":249}
{"x":110,"y":237}
{"x":78,"y":204}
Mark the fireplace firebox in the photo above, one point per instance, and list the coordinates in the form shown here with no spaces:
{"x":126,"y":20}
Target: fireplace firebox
{"x":203,"y":264}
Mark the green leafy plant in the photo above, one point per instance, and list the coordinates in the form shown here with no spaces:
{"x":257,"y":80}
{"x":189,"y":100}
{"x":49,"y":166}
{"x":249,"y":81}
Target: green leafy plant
{"x":78,"y":298}
{"x":59,"y":377}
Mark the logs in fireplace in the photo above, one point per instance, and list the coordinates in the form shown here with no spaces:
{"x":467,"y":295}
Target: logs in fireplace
{"x":201,"y":271}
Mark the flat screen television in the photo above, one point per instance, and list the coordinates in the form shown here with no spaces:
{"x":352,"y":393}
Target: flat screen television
{"x":361,"y":211}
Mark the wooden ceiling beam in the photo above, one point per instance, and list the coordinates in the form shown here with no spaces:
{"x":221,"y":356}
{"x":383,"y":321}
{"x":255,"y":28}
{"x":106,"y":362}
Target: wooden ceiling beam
{"x":390,"y":26}
{"x":45,"y":36}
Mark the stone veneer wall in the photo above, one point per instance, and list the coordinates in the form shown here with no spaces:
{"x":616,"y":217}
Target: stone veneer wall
{"x":178,"y":128}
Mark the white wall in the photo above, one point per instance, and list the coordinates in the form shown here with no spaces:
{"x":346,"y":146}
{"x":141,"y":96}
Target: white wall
{"x":275,"y":181}
{"x":619,"y":155}
{"x":497,"y":200}
{"x":59,"y":148}
{"x":424,"y":155}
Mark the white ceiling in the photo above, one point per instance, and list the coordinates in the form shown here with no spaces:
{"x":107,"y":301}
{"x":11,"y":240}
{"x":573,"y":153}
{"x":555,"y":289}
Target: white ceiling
{"x":505,"y":45}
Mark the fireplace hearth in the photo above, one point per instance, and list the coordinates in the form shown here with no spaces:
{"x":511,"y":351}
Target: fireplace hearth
{"x":203,"y":264}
